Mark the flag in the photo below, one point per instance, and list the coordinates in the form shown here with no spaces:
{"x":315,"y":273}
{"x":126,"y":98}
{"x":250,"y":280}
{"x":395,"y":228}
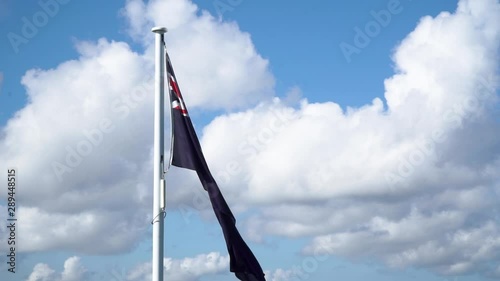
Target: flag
{"x":186,"y":153}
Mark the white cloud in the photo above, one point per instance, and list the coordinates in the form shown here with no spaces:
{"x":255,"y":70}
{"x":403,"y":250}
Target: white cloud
{"x":73,"y":271}
{"x":85,"y":161}
{"x":44,"y":231}
{"x":279,"y":275}
{"x":216,"y":63}
{"x":405,"y":184}
{"x":42,"y":272}
{"x":187,"y":269}
{"x":80,"y":114}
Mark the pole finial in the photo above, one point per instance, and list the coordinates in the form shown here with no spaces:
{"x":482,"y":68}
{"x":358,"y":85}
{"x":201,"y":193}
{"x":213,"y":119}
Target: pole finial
{"x":159,"y":29}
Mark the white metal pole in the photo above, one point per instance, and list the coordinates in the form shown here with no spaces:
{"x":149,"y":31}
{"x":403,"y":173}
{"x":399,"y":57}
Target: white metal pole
{"x":157,"y":262}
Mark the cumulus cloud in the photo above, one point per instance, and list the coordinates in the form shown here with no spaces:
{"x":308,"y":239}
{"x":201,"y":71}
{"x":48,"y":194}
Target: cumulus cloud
{"x":219,"y":61}
{"x":187,"y":269}
{"x":42,"y":272}
{"x":86,"y":158}
{"x":79,"y":114}
{"x":279,"y":275}
{"x":44,"y":231}
{"x":412,"y":182}
{"x":73,"y":271}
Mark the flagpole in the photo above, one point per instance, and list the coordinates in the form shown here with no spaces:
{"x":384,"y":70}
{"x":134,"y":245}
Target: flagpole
{"x":158,"y":193}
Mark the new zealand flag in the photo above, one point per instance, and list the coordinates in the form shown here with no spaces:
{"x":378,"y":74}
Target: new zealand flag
{"x":187,"y":154}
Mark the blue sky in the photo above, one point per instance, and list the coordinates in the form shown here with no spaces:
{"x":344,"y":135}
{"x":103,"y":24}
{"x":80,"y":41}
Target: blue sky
{"x":322,"y":181}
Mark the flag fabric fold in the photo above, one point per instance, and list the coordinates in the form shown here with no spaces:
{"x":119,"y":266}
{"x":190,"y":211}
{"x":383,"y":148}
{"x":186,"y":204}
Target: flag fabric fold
{"x":187,"y":153}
